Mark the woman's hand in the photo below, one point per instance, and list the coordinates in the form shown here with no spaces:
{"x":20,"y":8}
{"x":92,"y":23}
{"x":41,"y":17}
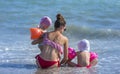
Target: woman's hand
{"x":64,"y":61}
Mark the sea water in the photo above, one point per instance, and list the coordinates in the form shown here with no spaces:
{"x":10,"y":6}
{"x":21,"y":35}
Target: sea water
{"x":95,"y":20}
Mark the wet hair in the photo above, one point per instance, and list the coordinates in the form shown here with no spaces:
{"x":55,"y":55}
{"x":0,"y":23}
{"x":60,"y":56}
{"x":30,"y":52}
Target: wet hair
{"x":59,"y":21}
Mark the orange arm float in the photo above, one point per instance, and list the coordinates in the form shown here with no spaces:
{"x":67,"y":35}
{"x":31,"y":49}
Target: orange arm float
{"x":36,"y":33}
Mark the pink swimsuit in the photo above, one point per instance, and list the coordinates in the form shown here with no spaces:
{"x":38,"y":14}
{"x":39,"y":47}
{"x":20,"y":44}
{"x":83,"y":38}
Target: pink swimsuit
{"x":44,"y":63}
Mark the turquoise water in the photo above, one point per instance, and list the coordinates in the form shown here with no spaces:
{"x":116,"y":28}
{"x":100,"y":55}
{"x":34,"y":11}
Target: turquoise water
{"x":95,"y":20}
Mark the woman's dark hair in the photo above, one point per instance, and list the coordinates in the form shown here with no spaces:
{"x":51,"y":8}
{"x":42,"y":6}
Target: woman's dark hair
{"x":59,"y":21}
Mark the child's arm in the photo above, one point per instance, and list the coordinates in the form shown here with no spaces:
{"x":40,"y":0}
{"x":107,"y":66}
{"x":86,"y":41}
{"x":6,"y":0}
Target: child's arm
{"x":36,"y":41}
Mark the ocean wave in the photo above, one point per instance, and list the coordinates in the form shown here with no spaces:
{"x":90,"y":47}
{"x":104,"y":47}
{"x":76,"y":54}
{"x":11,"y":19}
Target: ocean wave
{"x":74,"y":31}
{"x":87,"y":32}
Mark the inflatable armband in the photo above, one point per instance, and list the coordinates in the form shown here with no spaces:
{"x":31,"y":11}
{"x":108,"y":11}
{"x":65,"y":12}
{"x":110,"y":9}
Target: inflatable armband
{"x":71,"y":53}
{"x":36,"y":33}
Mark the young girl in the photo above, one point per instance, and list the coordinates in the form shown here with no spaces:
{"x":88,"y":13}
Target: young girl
{"x":45,"y":23}
{"x":85,"y":58}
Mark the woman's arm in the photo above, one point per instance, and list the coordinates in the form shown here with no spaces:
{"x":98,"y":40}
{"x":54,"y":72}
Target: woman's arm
{"x":65,"y":58}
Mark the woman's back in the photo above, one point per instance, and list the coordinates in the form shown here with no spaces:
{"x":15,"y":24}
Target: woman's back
{"x":53,"y":52}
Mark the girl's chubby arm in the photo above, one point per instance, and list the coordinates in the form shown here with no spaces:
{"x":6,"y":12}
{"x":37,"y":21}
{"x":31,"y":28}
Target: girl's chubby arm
{"x":39,"y":40}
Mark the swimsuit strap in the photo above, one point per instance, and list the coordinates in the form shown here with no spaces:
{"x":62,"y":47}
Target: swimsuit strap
{"x":52,"y":43}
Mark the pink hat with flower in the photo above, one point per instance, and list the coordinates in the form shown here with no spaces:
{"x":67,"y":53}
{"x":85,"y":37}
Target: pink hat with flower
{"x":84,"y":45}
{"x":45,"y":22}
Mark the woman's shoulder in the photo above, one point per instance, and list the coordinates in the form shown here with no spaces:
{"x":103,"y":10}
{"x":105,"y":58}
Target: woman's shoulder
{"x":65,"y":38}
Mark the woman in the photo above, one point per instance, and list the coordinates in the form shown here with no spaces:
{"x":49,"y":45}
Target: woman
{"x":54,"y":44}
{"x":85,"y":58}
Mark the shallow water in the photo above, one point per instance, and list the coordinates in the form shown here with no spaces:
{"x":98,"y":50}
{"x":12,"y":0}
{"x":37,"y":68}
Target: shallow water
{"x":95,"y":20}
{"x":63,"y":70}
